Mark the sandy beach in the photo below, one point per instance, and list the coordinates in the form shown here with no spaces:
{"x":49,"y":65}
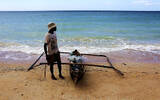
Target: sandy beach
{"x":140,"y":81}
{"x":130,"y":39}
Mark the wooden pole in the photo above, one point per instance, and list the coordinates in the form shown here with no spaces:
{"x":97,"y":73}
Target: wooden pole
{"x":85,"y":54}
{"x":118,"y":71}
{"x":107,"y":59}
{"x":31,"y":67}
{"x":78,"y":64}
{"x":45,"y":71}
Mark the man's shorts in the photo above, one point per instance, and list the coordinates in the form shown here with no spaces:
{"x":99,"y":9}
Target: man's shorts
{"x":54,"y":58}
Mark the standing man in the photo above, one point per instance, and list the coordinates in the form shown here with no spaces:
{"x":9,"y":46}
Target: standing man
{"x":51,"y":50}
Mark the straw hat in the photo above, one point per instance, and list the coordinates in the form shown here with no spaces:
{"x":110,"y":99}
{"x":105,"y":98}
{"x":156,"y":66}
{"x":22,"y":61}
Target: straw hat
{"x":51,"y":25}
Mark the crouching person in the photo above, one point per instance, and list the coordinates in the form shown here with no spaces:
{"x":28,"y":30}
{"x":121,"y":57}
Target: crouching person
{"x":51,"y":50}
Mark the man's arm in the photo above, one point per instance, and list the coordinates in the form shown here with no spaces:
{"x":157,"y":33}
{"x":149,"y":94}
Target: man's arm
{"x":45,"y":48}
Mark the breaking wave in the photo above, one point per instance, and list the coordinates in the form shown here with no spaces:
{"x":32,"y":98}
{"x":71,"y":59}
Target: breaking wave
{"x":82,"y":48}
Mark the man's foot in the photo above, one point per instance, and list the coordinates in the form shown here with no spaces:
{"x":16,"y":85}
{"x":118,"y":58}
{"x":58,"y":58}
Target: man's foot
{"x":60,"y":76}
{"x":53,"y":77}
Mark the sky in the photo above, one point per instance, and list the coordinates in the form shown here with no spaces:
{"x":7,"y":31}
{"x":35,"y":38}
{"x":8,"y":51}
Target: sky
{"x":29,"y":5}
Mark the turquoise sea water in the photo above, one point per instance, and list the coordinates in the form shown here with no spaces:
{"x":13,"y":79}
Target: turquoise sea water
{"x":89,"y":32}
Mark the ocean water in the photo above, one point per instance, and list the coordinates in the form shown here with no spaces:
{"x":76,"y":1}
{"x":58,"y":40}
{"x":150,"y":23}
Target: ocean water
{"x":88,"y":32}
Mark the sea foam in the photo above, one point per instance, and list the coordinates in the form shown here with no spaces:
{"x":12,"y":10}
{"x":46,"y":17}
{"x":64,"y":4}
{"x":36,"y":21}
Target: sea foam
{"x":84,"y":49}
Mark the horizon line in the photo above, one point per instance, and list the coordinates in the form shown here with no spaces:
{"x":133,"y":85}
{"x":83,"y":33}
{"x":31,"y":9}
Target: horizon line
{"x":73,"y":10}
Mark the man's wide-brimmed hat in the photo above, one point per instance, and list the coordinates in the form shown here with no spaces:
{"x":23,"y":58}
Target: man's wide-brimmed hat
{"x":51,"y":25}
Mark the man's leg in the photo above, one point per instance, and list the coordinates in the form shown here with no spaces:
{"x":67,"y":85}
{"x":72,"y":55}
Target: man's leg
{"x":59,"y":65}
{"x":51,"y":70}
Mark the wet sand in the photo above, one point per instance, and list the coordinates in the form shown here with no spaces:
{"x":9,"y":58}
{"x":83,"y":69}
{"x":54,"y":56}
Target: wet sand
{"x":140,"y":82}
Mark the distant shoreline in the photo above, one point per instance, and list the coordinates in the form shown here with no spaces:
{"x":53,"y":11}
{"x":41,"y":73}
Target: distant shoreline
{"x":79,"y":11}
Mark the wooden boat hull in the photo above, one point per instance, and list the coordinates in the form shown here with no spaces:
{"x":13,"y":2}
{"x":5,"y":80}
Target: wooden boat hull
{"x":76,"y":72}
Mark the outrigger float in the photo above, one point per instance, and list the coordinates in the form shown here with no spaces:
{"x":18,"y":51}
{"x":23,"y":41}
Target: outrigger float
{"x":77,"y":65}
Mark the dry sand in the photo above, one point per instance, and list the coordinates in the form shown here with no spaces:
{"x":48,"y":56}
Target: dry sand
{"x":140,"y":82}
{"x":141,"y":79}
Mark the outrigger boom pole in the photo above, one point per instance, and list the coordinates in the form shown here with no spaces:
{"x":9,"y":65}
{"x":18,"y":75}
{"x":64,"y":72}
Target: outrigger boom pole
{"x":85,"y":54}
{"x":77,"y":64}
{"x":31,"y":67}
{"x":118,"y":71}
{"x":111,"y":66}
